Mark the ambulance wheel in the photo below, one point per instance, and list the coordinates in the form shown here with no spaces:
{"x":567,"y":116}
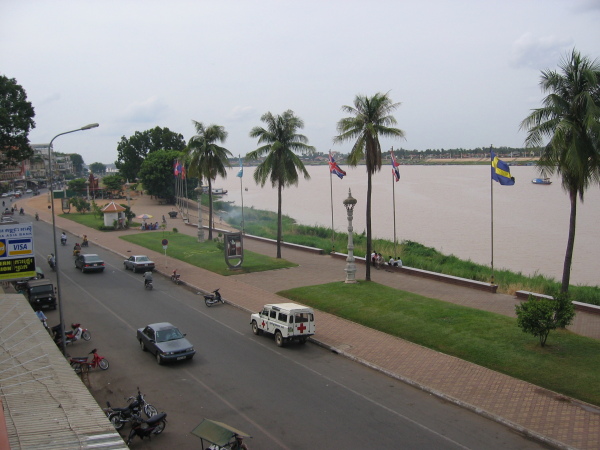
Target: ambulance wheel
{"x":278,"y":339}
{"x":255,"y":328}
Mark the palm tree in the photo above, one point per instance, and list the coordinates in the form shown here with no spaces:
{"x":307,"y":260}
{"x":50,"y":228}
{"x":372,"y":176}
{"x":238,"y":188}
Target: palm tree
{"x":570,"y":118}
{"x":371,"y":117}
{"x":208,"y":160}
{"x":281,"y":164}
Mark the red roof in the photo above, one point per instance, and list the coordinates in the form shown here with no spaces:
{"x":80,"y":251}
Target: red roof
{"x":112,"y":207}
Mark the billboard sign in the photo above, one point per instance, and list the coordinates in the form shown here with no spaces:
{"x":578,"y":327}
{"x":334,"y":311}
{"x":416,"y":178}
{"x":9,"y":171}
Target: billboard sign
{"x":16,"y":251}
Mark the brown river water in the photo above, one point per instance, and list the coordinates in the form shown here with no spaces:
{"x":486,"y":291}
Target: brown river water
{"x":448,"y":208}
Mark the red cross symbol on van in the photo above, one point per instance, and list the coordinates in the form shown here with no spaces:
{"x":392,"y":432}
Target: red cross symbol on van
{"x":301,"y":328}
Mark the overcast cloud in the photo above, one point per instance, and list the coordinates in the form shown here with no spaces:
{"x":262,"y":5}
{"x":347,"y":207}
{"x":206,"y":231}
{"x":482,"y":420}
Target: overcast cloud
{"x":466,"y":72}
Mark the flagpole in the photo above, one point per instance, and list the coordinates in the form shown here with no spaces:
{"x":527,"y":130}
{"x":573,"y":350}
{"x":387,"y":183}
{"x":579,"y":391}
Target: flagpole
{"x":394,"y":201}
{"x":331,"y":199}
{"x":492,"y":215}
{"x":242,"y":194}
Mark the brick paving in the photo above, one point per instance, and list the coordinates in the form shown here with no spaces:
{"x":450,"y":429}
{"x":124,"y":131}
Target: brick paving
{"x":544,"y":415}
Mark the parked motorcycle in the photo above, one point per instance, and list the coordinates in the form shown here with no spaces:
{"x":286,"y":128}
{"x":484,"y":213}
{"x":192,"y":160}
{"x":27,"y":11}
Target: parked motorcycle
{"x":81,"y":363}
{"x":72,"y":335}
{"x":175,"y":277}
{"x":214,"y":297}
{"x":147,"y":427}
{"x":120,"y":416}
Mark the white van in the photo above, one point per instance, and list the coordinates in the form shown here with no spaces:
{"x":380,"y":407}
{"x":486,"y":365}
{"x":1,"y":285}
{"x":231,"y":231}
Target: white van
{"x":287,"y":321}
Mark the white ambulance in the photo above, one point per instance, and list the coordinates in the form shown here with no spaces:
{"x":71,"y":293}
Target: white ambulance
{"x":287,"y":321}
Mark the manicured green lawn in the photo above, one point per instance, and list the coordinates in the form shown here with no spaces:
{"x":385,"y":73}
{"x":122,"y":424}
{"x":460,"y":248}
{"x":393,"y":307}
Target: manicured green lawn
{"x":568,"y":364}
{"x":206,"y":254}
{"x":89,"y":220}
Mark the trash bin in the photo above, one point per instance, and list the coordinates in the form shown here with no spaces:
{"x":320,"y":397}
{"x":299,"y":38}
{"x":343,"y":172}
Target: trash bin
{"x":173,"y":214}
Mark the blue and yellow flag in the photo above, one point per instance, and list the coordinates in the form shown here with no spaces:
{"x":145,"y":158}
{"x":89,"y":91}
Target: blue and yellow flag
{"x":501,"y":172}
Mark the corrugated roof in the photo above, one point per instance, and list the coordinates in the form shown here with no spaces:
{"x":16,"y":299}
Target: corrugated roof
{"x":45,"y":404}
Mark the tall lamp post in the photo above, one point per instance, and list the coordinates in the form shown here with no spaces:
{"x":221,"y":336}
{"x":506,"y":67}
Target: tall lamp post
{"x":87,"y":186}
{"x":60,"y":309}
{"x":350,"y":269}
{"x":200,"y":227}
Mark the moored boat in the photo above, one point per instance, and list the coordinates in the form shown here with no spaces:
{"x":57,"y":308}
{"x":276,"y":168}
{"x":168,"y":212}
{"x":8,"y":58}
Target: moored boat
{"x":541,"y":181}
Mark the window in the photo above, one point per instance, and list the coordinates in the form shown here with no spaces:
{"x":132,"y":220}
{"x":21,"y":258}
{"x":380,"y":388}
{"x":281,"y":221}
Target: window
{"x":283,"y":317}
{"x":273,"y":314}
{"x":301,"y":317}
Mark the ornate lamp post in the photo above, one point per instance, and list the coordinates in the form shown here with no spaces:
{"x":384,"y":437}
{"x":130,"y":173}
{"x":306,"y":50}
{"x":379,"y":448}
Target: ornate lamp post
{"x":350,"y":269}
{"x":87,"y":186}
{"x":200,"y":227}
{"x":60,"y":309}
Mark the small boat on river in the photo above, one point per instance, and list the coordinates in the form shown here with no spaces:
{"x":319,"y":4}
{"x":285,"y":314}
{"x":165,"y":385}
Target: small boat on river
{"x":541,"y":181}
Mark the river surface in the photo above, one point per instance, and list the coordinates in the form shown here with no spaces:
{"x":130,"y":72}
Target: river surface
{"x":448,"y":208}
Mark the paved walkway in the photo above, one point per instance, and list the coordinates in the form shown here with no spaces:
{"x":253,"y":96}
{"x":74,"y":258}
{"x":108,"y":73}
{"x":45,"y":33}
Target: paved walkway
{"x":545,"y":415}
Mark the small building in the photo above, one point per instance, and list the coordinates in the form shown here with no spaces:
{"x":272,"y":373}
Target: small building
{"x":113,"y":212}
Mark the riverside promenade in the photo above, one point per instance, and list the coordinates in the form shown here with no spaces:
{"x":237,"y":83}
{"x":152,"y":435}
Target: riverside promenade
{"x":547,"y":416}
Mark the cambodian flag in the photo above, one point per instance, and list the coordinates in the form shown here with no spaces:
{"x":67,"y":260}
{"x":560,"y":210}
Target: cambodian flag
{"x":176,"y":168}
{"x":395,"y":170}
{"x":334,"y":168}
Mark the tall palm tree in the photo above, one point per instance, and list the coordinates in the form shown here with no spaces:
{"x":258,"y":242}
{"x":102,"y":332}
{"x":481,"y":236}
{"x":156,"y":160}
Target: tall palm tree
{"x":570,"y":118}
{"x":281,"y":164}
{"x":208,"y":160}
{"x":371,"y":118}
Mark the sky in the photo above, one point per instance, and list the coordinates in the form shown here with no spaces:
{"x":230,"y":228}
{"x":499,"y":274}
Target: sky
{"x":465,"y":72}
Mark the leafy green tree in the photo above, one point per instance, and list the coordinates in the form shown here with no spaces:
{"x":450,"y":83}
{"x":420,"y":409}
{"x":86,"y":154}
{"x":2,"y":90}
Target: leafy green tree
{"x":77,"y":161}
{"x":570,"y":118}
{"x":78,"y":185}
{"x":207,"y":160}
{"x":281,"y":164}
{"x":132,"y":151}
{"x":16,"y":121}
{"x":113,"y":183}
{"x":81,"y":205}
{"x":157,"y":173}
{"x":540,"y":316}
{"x":97,"y":168}
{"x":371,"y":118}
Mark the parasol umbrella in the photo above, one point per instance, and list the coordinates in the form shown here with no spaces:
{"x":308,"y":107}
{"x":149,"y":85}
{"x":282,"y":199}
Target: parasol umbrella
{"x":144,"y":216}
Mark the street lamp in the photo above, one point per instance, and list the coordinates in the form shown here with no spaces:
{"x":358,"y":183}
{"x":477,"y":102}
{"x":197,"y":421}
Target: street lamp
{"x":87,"y":186}
{"x":60,"y":309}
{"x":350,"y":269}
{"x":200,"y":228}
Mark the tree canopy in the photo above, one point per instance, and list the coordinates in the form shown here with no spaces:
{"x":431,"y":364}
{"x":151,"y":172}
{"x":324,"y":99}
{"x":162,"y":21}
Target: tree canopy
{"x":113,"y":183}
{"x":132,"y":151}
{"x":156,"y":173}
{"x":77,"y":161}
{"x":281,"y":164}
{"x":97,"y":168}
{"x":370,"y":118}
{"x":570,"y":119}
{"x":16,"y":121}
{"x":207,"y":160}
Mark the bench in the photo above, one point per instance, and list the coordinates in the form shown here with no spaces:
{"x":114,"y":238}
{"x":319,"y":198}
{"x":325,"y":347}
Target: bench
{"x":172,"y":214}
{"x":481,"y":285}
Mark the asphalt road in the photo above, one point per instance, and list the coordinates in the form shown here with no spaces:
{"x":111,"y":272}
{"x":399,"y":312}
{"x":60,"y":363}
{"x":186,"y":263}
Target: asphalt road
{"x":297,"y":397}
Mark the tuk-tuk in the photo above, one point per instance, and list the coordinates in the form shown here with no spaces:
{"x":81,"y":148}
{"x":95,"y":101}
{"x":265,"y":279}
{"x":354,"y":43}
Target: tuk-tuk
{"x":219,"y":435}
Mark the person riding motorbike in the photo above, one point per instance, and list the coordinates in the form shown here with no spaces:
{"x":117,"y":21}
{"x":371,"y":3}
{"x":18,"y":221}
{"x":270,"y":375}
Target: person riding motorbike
{"x":85,"y":242}
{"x":239,"y":443}
{"x":76,"y":249}
{"x":147,"y":278}
{"x":22,"y":212}
{"x":63,"y":238}
{"x":51,"y":260}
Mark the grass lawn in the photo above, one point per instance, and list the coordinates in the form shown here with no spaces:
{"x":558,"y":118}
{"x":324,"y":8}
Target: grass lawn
{"x":89,"y":220}
{"x":568,"y":364}
{"x":206,"y":254}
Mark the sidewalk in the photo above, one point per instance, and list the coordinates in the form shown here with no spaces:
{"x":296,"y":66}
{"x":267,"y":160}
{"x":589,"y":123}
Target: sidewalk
{"x":545,"y":415}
